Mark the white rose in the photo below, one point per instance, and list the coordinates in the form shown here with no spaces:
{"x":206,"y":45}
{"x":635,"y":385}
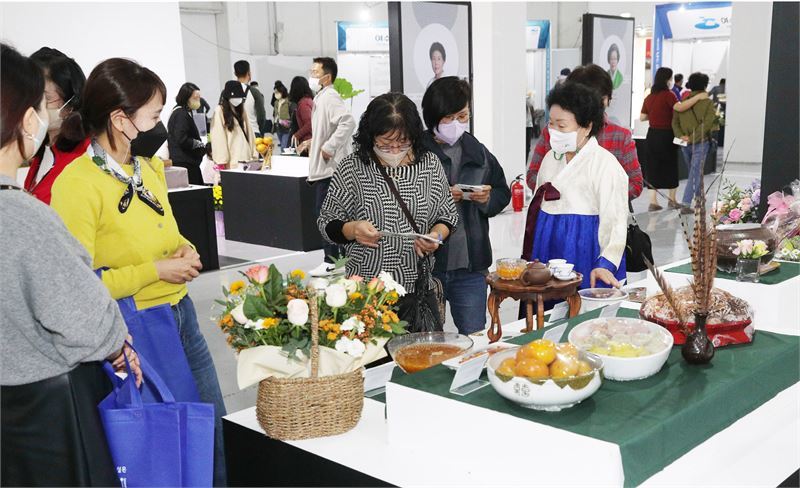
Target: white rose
{"x":356,"y":348}
{"x":335,"y":296}
{"x":238,"y":314}
{"x":349,"y":285}
{"x":342,"y":345}
{"x":297,"y":310}
{"x":318,"y":284}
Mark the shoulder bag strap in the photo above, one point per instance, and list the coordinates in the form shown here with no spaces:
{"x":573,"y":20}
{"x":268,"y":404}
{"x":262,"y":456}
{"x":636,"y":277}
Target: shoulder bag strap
{"x":399,"y":198}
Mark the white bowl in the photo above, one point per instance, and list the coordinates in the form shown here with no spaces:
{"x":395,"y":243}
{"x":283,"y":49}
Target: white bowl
{"x":591,"y":302}
{"x":549,"y":395}
{"x":625,"y":369}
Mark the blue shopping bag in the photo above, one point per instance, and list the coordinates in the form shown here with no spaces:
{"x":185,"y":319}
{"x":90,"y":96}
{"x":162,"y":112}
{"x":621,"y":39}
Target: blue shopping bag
{"x":155,"y":334}
{"x":163,"y":443}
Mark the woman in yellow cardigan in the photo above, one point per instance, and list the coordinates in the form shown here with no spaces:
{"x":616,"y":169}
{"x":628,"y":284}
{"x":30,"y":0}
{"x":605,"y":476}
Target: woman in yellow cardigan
{"x":113,"y":199}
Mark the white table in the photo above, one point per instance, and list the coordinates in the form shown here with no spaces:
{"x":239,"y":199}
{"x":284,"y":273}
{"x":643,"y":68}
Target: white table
{"x":434,"y":441}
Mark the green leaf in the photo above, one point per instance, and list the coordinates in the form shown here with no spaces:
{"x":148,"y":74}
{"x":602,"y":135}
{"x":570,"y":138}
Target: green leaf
{"x":345,"y":89}
{"x":225,"y":291}
{"x":221,"y":302}
{"x":255,"y":308}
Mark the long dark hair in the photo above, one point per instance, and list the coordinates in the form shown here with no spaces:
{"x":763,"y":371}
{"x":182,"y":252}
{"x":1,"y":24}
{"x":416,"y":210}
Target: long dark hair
{"x":69,"y":79}
{"x":385,"y":114}
{"x":21,"y":87}
{"x":299,"y":89}
{"x":281,"y":88}
{"x":661,"y":80}
{"x":114,"y":84}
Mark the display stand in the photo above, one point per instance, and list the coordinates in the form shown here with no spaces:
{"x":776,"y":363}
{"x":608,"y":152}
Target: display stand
{"x":193,"y":208}
{"x":272,"y":208}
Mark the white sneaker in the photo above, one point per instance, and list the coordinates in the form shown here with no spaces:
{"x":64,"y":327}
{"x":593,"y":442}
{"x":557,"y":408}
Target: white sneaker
{"x":322,"y":270}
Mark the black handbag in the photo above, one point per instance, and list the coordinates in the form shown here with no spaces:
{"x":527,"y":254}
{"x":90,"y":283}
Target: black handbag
{"x":424,"y":308}
{"x":637,"y":248}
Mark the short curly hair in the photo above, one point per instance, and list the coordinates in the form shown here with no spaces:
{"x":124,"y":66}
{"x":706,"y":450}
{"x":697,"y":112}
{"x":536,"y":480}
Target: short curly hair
{"x":580,"y":100}
{"x":385,"y":114}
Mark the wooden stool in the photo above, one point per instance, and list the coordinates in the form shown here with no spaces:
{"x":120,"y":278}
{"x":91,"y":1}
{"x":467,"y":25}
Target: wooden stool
{"x":552,"y":290}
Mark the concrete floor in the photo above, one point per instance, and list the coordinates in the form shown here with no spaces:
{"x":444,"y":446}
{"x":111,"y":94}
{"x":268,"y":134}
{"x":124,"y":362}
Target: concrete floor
{"x":506,"y":232}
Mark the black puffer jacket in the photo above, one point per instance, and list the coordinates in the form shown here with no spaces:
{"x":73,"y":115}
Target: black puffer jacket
{"x":478,"y":167}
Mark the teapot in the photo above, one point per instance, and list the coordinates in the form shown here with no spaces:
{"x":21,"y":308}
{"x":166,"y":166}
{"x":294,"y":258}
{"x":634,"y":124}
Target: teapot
{"x":535,"y":273}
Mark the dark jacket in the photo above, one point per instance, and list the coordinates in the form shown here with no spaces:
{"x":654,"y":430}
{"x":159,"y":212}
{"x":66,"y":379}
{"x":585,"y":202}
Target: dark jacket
{"x":478,"y":167}
{"x":184,"y":142}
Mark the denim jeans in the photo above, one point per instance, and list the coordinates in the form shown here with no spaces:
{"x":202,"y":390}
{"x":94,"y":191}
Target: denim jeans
{"x":320,"y":187}
{"x":283,"y":138}
{"x":695,"y":157}
{"x":466,"y":293}
{"x":205,"y":376}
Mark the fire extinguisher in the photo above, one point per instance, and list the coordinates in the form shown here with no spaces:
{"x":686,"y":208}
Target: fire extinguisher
{"x":518,"y":194}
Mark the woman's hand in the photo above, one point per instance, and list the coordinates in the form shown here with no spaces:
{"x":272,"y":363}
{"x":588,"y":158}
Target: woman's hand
{"x":457,"y":194}
{"x":423,"y":247}
{"x":118,"y":363}
{"x":178,"y":270}
{"x":603,"y":275}
{"x":187,"y":251}
{"x":482,"y":196}
{"x":363,"y":232}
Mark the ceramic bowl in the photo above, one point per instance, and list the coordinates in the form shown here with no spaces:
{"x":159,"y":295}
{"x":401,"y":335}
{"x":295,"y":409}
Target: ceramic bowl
{"x":594,"y":298}
{"x":548,"y":395}
{"x":652,"y":337}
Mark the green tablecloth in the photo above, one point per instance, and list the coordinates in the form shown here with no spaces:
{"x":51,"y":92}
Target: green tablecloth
{"x":786,"y":271}
{"x":659,"y":419}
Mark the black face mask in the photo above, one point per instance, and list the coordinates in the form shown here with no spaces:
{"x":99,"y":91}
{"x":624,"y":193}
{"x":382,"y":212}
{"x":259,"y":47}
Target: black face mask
{"x":146,"y":143}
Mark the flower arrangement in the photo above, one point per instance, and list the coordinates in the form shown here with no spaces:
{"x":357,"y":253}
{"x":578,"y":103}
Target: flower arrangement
{"x":217,"y":191}
{"x":783,"y":218}
{"x":269,"y":312}
{"x":736,"y":205}
{"x":789,"y":249}
{"x":750,"y":249}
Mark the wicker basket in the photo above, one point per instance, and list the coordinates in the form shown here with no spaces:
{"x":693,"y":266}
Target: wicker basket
{"x":302,"y":408}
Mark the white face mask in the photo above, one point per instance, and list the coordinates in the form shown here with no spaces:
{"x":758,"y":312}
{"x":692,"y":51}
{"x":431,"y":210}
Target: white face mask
{"x":563,"y":142}
{"x":314,"y":84}
{"x":235,"y":101}
{"x":54,"y":115}
{"x":391,"y":159}
{"x":670,"y":84}
{"x":41,"y":133}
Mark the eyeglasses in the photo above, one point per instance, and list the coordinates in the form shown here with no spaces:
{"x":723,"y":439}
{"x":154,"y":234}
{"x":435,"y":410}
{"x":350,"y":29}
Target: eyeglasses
{"x":462,"y":117}
{"x":399,"y":147}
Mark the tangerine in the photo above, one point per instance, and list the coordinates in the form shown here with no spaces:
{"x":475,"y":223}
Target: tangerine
{"x":567,"y":349}
{"x":542,"y":349}
{"x":564,"y":367}
{"x":506,"y":368}
{"x":584,"y":368}
{"x":531,"y":368}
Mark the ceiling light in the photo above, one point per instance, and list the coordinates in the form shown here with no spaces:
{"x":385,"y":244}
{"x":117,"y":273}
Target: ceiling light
{"x":682,"y":9}
{"x":625,"y":14}
{"x":364,"y":15}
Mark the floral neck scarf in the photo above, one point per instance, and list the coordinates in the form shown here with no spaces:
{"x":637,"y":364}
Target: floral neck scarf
{"x":133,"y":184}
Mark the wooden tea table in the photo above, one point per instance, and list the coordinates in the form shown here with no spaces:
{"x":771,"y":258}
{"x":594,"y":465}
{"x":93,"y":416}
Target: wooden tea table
{"x":554,"y":289}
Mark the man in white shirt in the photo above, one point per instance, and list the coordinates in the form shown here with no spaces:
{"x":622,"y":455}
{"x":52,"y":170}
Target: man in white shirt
{"x":332,"y":127}
{"x":241,"y":69}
